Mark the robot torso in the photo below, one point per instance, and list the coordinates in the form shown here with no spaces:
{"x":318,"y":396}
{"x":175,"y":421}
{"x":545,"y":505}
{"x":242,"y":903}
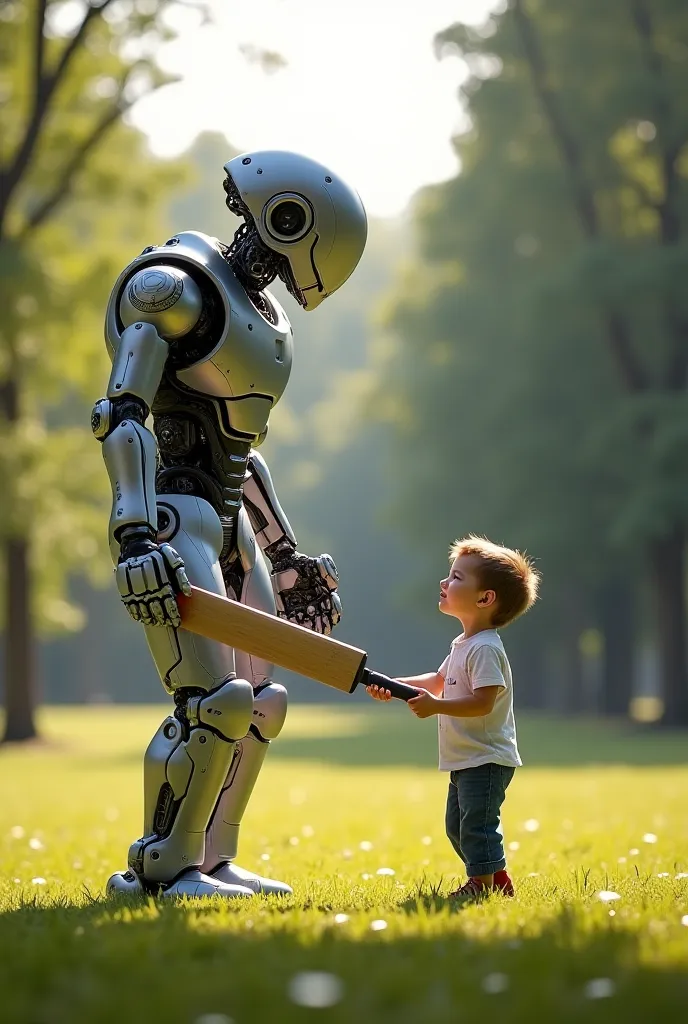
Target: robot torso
{"x":223,"y":375}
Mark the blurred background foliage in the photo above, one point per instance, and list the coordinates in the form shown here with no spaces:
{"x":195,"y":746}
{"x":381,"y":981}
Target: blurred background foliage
{"x":510,"y":357}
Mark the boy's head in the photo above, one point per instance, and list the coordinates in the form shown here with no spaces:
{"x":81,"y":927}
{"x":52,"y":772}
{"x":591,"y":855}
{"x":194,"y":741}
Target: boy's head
{"x":487,"y":581}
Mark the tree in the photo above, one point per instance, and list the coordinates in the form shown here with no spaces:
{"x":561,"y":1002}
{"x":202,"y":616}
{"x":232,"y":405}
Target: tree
{"x":553,"y":313}
{"x":69,"y":218}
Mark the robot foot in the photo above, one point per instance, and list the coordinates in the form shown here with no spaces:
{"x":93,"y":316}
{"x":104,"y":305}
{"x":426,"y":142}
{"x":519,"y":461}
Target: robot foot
{"x":233,"y":875}
{"x":193,"y":884}
{"x":124,"y":882}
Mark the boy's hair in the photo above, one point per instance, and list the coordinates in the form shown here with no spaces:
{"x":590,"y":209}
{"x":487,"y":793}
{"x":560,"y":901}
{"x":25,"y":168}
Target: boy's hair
{"x":511,"y":574}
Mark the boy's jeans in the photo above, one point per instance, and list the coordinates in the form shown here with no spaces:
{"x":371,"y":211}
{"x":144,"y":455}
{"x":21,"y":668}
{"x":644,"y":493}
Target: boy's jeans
{"x":473,"y":804}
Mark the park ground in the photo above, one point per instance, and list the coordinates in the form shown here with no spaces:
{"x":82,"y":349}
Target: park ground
{"x":349,"y":809}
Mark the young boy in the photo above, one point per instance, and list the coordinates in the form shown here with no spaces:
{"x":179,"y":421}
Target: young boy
{"x":488,"y":586}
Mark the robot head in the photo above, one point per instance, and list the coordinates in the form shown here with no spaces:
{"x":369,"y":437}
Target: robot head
{"x":305,"y":214}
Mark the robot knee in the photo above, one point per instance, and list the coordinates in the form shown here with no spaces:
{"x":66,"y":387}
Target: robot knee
{"x":269,"y":710}
{"x":227,"y":710}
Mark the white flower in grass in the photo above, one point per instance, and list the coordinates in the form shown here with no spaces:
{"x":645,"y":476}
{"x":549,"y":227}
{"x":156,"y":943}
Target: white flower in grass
{"x":514,"y":846}
{"x":533,"y":874}
{"x":495,"y":983}
{"x":38,"y":880}
{"x":17,"y":881}
{"x":365,"y":845}
{"x":663,"y":874}
{"x":612,"y":913}
{"x":341,"y":918}
{"x":386,"y":871}
{"x":649,"y":837}
{"x":682,"y":874}
{"x":634,"y":852}
{"x":621,"y":860}
{"x":347,"y":854}
{"x":294,"y":841}
{"x":17,"y":832}
{"x":366,"y":876}
{"x":531,"y":825}
{"x":426,"y":840}
{"x":599,"y":988}
{"x":316,"y":989}
{"x":684,"y":919}
{"x":265,"y":856}
{"x":607,"y":896}
{"x":378,"y":926}
{"x":36,"y":844}
{"x":213,"y":1018}
{"x":307,"y":831}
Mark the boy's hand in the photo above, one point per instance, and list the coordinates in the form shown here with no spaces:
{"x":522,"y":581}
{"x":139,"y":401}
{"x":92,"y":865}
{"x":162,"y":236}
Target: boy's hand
{"x":424,"y":705}
{"x":377,"y":694}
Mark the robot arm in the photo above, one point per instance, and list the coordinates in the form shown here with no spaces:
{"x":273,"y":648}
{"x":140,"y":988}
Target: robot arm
{"x":270,"y":524}
{"x":146,"y":570}
{"x":305,"y":588}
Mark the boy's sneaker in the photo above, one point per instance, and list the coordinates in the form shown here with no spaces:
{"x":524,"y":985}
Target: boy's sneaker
{"x":503,"y":884}
{"x":471,"y":891}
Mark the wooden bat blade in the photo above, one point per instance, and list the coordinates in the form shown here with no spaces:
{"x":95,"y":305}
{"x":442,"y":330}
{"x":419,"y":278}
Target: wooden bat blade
{"x":284,"y":643}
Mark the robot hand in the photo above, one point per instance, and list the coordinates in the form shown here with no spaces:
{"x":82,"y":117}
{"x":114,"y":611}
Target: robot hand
{"x":306,"y":591}
{"x":147,"y":576}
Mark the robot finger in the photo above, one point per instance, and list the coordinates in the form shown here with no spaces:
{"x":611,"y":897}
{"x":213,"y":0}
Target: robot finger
{"x":183,"y":581}
{"x":336,"y":608}
{"x":122,"y":580}
{"x":133,"y":609}
{"x":172,"y":612}
{"x":138,"y":582}
{"x":328,"y":571}
{"x":146,"y":617}
{"x":158,"y":612}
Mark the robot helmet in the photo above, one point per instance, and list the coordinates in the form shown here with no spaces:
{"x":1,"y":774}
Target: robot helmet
{"x":305,"y":214}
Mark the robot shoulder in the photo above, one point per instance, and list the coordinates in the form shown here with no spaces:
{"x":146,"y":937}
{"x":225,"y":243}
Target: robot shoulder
{"x":169,"y":287}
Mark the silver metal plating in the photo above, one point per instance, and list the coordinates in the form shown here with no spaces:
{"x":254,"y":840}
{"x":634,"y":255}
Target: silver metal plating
{"x":165,"y":297}
{"x":138,"y":363}
{"x":130,"y":458}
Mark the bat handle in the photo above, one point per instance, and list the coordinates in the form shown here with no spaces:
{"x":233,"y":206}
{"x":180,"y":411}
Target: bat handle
{"x":402,"y":691}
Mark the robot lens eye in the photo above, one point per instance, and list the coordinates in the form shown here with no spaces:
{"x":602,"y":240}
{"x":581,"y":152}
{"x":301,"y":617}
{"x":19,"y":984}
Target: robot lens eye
{"x":288,"y":219}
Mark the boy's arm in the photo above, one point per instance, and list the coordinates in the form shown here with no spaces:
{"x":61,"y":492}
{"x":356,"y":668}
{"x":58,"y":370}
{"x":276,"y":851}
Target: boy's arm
{"x":486,"y":678}
{"x":433,"y":682}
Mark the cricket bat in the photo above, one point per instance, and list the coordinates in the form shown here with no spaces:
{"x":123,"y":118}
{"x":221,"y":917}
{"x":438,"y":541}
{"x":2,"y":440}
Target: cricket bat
{"x":284,"y":643}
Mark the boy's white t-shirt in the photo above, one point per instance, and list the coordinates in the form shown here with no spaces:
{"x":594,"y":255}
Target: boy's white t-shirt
{"x":467,"y":742}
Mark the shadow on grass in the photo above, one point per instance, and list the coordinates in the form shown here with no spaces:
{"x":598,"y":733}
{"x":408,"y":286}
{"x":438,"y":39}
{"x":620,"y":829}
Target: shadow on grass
{"x":109,"y":964}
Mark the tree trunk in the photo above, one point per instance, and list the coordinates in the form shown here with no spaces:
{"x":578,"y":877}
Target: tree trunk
{"x":618,"y":622}
{"x":20,"y":667}
{"x":667,"y":578}
{"x":20,"y":672}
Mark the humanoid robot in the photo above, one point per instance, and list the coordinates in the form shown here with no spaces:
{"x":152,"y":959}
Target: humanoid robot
{"x":198,"y":342}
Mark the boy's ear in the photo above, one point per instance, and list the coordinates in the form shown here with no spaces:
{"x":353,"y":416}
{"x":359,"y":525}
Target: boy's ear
{"x":487,"y":599}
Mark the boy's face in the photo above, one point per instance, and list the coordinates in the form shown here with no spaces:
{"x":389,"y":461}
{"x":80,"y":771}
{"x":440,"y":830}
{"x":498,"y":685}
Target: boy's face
{"x":461,"y":594}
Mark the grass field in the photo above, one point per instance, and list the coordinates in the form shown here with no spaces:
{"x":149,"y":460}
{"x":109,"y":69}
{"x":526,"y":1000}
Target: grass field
{"x":347,"y":792}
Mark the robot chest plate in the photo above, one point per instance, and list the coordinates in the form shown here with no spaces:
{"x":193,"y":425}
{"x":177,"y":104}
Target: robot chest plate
{"x":250,"y":367}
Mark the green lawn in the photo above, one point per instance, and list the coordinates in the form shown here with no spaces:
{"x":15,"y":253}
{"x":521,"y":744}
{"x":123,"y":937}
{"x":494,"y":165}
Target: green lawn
{"x":347,"y":791}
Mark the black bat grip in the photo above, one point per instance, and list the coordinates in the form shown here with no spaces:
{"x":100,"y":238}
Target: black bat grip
{"x":402,"y":691}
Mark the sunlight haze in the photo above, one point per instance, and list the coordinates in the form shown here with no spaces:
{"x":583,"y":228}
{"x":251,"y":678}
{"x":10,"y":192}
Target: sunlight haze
{"x":362,"y":89}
